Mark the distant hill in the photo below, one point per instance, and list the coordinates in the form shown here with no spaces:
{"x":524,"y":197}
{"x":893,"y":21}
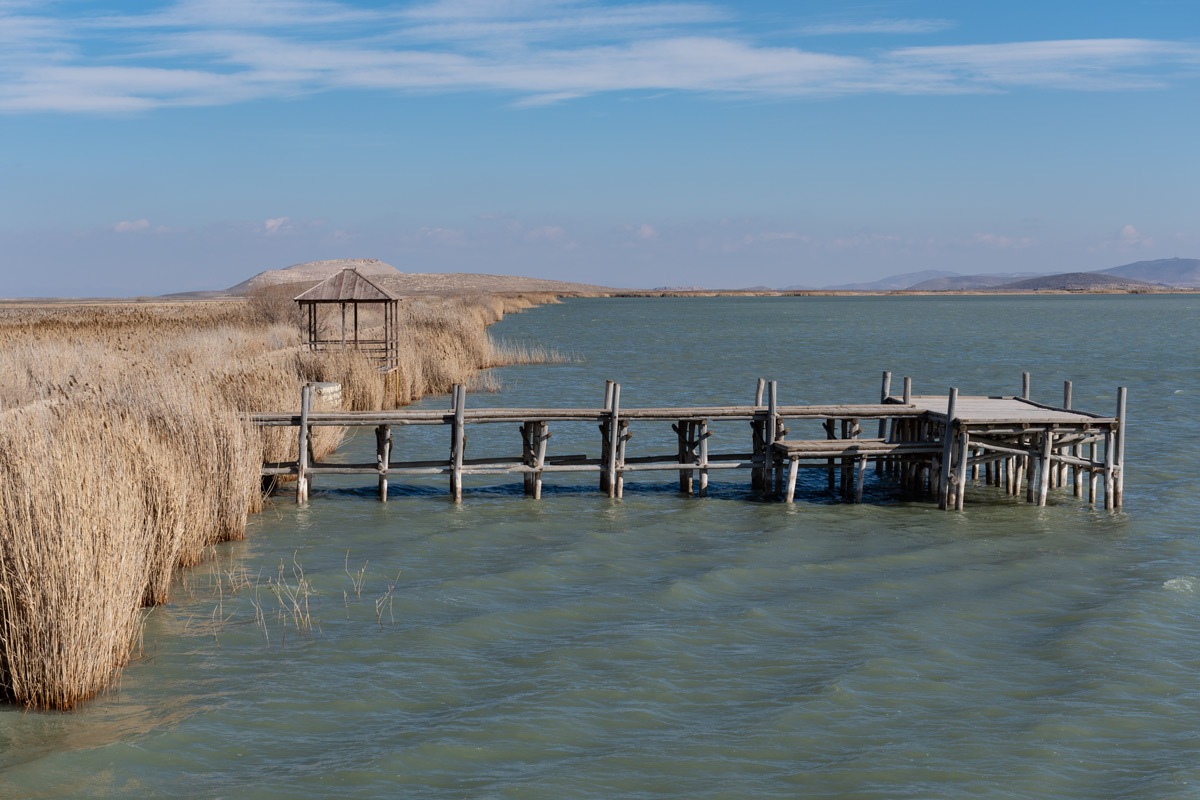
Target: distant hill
{"x":889,"y":284}
{"x":967,"y":283}
{"x":1181,"y":272}
{"x":1079,"y":282}
{"x":312,"y":272}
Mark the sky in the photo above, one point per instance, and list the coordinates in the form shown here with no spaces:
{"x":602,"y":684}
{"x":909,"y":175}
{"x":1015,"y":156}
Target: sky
{"x":153,"y":147}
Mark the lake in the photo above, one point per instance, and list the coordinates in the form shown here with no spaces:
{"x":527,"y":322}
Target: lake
{"x":666,"y":646}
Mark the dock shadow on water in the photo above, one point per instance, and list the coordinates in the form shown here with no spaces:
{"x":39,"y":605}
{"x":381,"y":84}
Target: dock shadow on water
{"x":670,"y":646}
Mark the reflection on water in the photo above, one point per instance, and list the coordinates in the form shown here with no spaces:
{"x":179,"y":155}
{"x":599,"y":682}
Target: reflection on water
{"x":663,"y":646}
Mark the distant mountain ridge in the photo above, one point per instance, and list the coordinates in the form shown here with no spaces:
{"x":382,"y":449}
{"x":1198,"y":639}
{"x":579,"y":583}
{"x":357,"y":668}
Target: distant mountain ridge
{"x":1164,"y":273}
{"x":1180,"y":272}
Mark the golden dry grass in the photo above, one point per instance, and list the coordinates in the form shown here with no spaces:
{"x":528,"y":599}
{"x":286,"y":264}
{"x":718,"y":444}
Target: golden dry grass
{"x":125,"y":455}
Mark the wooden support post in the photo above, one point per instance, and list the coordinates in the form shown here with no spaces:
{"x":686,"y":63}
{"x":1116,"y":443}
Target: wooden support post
{"x":1030,"y":483}
{"x":302,"y":445}
{"x":862,"y":476}
{"x":1114,"y":464}
{"x":947,"y":452}
{"x":1120,"y":465}
{"x":623,"y":436}
{"x":772,"y":431}
{"x":793,"y":469}
{"x":830,"y":427}
{"x":1119,"y":478}
{"x":614,"y":436}
{"x":607,"y":432}
{"x":844,"y":477}
{"x":527,"y":456}
{"x":1070,"y":472}
{"x":1025,"y":385}
{"x":960,"y":475}
{"x":383,"y":457}
{"x":704,"y":434}
{"x":683,"y":436}
{"x":907,"y":391}
{"x":458,"y":441}
{"x":1022,"y":467}
{"x":1093,"y":474}
{"x":885,"y":391}
{"x":541,"y":436}
{"x":1110,"y":459}
{"x":758,"y":436}
{"x":1045,"y":466}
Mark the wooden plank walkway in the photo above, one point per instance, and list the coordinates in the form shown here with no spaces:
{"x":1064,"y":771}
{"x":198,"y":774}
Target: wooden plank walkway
{"x":926,"y":445}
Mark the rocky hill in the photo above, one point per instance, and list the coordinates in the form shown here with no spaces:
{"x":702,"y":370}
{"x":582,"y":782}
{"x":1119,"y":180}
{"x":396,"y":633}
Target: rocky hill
{"x":1079,"y":282}
{"x":313,"y":272}
{"x":1181,"y":272}
{"x":302,"y":276}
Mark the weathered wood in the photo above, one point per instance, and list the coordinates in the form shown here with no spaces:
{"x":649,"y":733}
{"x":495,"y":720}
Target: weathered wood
{"x":793,"y":470}
{"x":458,"y":441}
{"x":947,"y":450}
{"x":927,"y":445}
{"x":607,"y":432}
{"x":383,"y":455}
{"x":1067,"y":472}
{"x":613,"y":443}
{"x":964,"y":456}
{"x":1045,"y":467}
{"x":541,"y":436}
{"x":772,"y":432}
{"x":683,"y":439}
{"x":1110,"y":460}
{"x":302,"y":445}
{"x":623,"y":437}
{"x":1119,"y":466}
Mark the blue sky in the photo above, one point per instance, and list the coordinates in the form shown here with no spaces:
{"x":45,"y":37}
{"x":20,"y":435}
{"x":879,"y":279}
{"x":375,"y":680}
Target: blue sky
{"x":150,"y":147}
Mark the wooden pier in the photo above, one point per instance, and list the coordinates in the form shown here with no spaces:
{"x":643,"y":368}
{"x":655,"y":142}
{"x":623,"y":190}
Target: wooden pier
{"x":930,"y":446}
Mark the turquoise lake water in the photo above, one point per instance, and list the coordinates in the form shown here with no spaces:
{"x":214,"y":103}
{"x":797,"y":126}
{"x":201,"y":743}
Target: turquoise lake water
{"x":665,"y":646}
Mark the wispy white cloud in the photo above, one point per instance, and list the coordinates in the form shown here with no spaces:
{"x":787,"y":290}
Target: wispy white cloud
{"x":1085,"y":64}
{"x":1130,"y":236}
{"x":534,"y":52}
{"x":132,"y":226}
{"x":277,"y":225}
{"x":882,"y":26}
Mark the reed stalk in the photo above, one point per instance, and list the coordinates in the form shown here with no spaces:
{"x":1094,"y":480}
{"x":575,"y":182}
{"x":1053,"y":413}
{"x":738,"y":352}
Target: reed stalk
{"x":125,"y":455}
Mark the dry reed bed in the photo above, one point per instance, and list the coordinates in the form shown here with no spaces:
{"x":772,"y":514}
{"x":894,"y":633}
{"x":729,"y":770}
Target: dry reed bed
{"x":124,"y":455}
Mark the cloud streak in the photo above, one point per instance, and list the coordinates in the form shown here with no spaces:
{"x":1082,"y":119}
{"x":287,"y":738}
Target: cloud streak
{"x":532,"y":52}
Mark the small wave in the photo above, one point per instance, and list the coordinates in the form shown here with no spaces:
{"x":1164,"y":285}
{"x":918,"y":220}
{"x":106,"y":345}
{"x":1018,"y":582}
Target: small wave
{"x":1185,"y":585}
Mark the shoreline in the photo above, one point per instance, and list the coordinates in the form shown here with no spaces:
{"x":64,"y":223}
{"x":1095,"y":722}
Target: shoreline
{"x":163,"y":300}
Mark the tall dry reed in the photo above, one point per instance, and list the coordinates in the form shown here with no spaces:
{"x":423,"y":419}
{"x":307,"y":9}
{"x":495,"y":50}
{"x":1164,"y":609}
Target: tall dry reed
{"x":125,"y":453}
{"x":74,"y":557}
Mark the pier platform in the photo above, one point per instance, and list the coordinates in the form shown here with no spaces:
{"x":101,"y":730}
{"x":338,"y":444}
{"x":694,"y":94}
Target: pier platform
{"x":923,"y":445}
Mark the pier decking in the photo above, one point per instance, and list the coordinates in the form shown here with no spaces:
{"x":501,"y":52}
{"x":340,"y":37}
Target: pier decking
{"x":924,"y":445}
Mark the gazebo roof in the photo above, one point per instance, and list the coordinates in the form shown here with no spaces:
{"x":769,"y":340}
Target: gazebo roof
{"x":347,"y":286}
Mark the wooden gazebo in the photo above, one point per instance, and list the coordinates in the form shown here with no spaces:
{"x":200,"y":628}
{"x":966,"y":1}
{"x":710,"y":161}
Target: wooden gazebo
{"x":348,"y":290}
